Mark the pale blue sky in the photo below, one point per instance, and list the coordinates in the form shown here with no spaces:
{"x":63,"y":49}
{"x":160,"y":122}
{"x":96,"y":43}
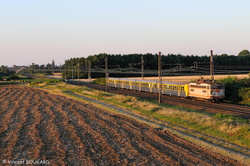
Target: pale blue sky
{"x":40,"y":31}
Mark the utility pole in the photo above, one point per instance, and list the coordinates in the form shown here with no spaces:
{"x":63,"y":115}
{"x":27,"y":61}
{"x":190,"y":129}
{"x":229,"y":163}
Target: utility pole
{"x":66,"y":66}
{"x":72,"y":71}
{"x":142,"y":67}
{"x":89,"y":71}
{"x":131,"y":67}
{"x":195,"y":65}
{"x":39,"y":71}
{"x":61,"y":69}
{"x":160,"y":77}
{"x":78,"y":66}
{"x":106,"y":73}
{"x":86,"y":64}
{"x":53,"y":67}
{"x":212,"y":65}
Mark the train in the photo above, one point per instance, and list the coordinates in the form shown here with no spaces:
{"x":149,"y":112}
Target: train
{"x":208,"y":90}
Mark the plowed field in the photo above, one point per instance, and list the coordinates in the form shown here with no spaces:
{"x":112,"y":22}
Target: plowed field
{"x":35,"y":125}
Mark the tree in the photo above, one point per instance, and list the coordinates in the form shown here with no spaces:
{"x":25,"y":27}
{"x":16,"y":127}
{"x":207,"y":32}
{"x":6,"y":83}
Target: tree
{"x":48,"y":66}
{"x":244,"y":57}
{"x":244,"y":53}
{"x":4,"y":70}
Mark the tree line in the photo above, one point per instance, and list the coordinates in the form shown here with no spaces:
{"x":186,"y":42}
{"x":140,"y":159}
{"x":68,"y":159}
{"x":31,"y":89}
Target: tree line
{"x":72,"y":66}
{"x":150,"y":61}
{"x":4,"y":71}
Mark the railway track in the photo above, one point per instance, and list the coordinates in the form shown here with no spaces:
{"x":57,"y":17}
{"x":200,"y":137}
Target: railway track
{"x":224,"y":108}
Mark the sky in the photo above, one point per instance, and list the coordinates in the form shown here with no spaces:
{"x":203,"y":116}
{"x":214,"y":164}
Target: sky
{"x":39,"y":31}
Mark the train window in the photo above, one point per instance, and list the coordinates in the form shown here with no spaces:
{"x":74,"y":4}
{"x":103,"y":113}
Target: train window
{"x":153,"y":85}
{"x":166,"y":87}
{"x":125,"y":83}
{"x":204,"y":91}
{"x":192,"y":90}
{"x":198,"y":86}
{"x":144,"y":85}
{"x":111,"y":81}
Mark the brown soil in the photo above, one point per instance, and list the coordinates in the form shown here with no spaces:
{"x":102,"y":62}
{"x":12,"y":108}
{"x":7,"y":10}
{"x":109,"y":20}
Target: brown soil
{"x":35,"y":125}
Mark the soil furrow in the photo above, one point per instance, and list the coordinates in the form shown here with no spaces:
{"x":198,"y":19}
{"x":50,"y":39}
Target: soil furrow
{"x":5,"y":92}
{"x":119,"y":130}
{"x":108,"y":153}
{"x":52,"y":148}
{"x":34,"y":118}
{"x":24,"y":142}
{"x":125,"y":141}
{"x":73,"y":146}
{"x":115,"y":134}
{"x":7,"y":99}
{"x":15,"y":123}
{"x":9,"y":110}
{"x":149,"y":142}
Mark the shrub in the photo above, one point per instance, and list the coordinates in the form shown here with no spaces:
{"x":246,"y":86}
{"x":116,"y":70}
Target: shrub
{"x":245,"y":82}
{"x":222,"y":116}
{"x":245,"y":94}
{"x":1,"y":78}
{"x":52,"y":81}
{"x":100,"y":81}
{"x":12,"y":78}
{"x":232,"y":87}
{"x":35,"y":82}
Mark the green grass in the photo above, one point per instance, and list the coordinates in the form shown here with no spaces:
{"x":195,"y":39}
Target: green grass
{"x":7,"y":83}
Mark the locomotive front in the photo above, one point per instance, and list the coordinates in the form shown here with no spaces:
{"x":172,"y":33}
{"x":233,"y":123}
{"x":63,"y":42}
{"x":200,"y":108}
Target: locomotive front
{"x":217,"y":92}
{"x":207,"y":90}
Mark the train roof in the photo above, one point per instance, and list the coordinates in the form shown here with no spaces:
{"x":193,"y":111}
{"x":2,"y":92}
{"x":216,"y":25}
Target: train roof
{"x":206,"y":82}
{"x":147,"y":81}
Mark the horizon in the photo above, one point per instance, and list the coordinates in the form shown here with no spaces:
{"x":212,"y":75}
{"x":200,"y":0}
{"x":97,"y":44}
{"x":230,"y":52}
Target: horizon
{"x":60,"y":64}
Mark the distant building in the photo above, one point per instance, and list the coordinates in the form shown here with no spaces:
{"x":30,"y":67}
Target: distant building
{"x":17,"y":69}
